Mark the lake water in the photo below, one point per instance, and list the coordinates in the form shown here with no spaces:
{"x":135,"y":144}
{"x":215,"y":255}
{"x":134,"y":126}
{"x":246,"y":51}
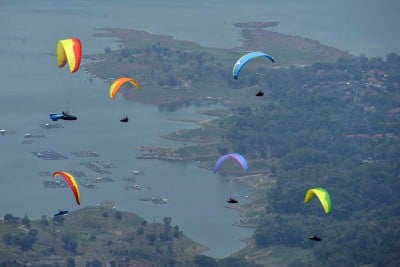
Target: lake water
{"x":31,"y":87}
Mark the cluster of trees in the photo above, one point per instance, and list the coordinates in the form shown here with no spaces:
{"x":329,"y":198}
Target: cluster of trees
{"x":333,"y":126}
{"x":69,"y":243}
{"x":10,"y":219}
{"x":165,"y":66}
{"x":202,"y":260}
{"x":154,"y":244}
{"x":23,"y":240}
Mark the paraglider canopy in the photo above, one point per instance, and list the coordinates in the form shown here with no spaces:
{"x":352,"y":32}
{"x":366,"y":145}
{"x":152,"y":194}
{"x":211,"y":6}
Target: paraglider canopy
{"x":118,"y":83}
{"x":246,"y":58}
{"x":237,"y":157}
{"x":69,"y":50}
{"x":72,"y":184}
{"x":322,"y":195}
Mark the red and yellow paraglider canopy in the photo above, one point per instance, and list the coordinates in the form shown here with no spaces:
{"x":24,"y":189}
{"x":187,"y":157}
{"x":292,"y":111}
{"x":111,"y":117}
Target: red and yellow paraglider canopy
{"x":69,"y":50}
{"x":72,"y":184}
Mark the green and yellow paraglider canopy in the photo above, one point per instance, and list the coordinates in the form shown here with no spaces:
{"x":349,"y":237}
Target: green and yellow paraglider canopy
{"x":322,"y":195}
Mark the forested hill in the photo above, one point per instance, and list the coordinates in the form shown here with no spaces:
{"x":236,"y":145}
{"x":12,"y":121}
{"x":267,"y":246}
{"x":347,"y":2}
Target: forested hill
{"x":331,"y":125}
{"x":101,"y":236}
{"x":334,"y":126}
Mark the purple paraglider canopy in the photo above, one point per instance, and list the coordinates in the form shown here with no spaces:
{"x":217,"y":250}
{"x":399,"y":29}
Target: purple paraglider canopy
{"x":239,"y":158}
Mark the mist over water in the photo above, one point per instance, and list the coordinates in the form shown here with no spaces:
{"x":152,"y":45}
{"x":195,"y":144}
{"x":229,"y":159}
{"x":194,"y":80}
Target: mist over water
{"x":32,"y":87}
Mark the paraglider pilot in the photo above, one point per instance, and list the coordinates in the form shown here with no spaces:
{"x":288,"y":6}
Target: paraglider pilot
{"x":232,"y":200}
{"x":61,"y":212}
{"x":260,"y":93}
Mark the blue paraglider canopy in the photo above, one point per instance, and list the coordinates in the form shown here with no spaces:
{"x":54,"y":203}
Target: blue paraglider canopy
{"x":246,"y":58}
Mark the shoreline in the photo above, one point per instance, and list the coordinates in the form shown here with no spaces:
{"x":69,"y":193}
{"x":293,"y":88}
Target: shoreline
{"x":254,"y":36}
{"x":291,"y":51}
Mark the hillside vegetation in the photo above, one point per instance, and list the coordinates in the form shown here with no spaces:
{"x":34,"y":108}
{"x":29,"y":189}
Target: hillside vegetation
{"x":327,"y":119}
{"x":331,"y":125}
{"x":92,"y":235}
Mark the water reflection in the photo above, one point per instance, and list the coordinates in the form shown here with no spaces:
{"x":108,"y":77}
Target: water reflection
{"x":208,"y":103}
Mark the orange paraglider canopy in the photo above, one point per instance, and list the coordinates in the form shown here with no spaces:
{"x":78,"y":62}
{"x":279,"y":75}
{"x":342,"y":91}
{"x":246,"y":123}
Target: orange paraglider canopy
{"x":118,"y":83}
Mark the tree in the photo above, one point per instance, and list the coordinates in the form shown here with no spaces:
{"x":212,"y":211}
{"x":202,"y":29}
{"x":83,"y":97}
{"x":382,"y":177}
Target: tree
{"x":140,"y":231}
{"x":118,"y":215}
{"x":24,"y":241}
{"x":165,"y":236}
{"x":69,"y":243}
{"x":107,"y":50}
{"x":151,"y":238}
{"x":223,"y":150}
{"x":7,"y":239}
{"x":167,"y":222}
{"x":94,"y":263}
{"x":170,"y":249}
{"x":33,"y":232}
{"x":202,"y":260}
{"x":236,"y":262}
{"x":125,"y":53}
{"x":25,"y":221}
{"x":44,"y":221}
{"x":176,"y":231}
{"x":58,"y":219}
{"x":70,"y":262}
{"x":8,"y":217}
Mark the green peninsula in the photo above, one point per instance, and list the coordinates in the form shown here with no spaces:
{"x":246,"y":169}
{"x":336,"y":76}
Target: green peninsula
{"x":174,"y":72}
